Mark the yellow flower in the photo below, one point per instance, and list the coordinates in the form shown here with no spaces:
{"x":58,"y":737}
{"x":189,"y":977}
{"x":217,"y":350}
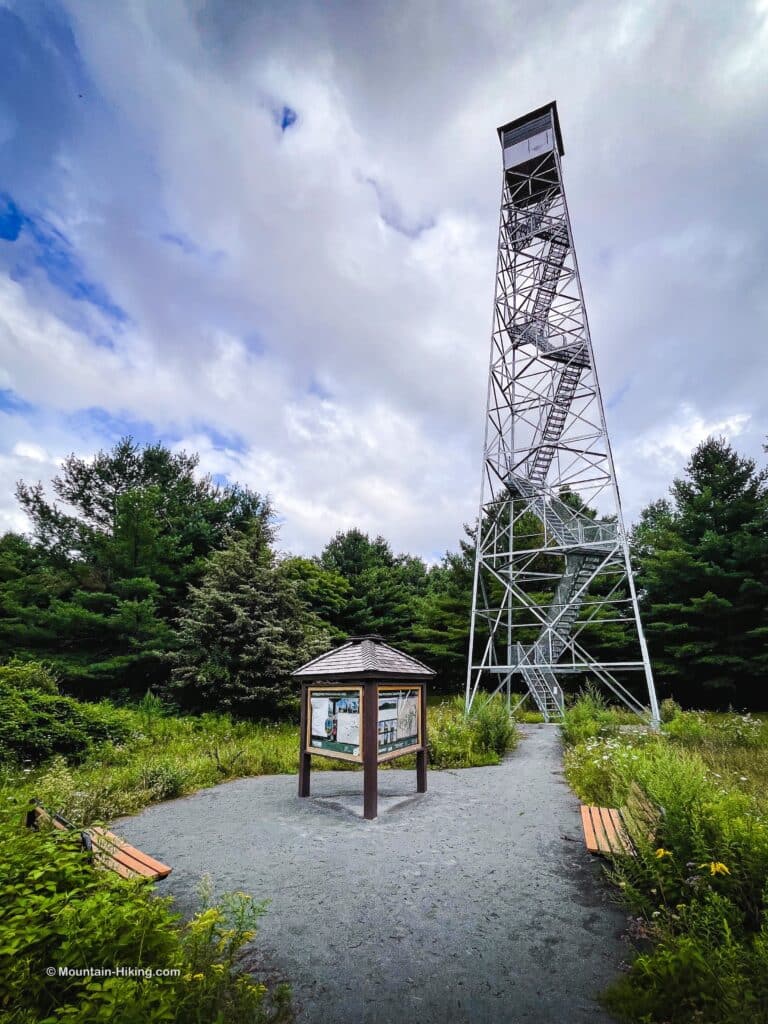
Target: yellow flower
{"x":661,"y":852}
{"x":198,"y":977}
{"x":716,"y":867}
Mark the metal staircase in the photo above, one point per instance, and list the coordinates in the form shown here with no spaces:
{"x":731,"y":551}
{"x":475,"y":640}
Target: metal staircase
{"x":570,"y":529}
{"x":585,"y":544}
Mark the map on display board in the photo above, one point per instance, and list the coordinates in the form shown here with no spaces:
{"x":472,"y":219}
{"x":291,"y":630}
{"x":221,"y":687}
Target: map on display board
{"x":398,"y":719}
{"x":334,"y":721}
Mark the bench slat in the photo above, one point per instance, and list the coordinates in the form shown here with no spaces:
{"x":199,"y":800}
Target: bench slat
{"x":105,"y":855}
{"x":589,"y":831}
{"x":606,"y":828}
{"x":620,"y":841}
{"x":119,"y":848}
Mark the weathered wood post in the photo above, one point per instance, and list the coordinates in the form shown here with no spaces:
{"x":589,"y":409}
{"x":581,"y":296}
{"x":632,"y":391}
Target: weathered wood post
{"x":422,"y":756}
{"x":370,"y":752}
{"x":305,"y":762}
{"x":364,"y":702}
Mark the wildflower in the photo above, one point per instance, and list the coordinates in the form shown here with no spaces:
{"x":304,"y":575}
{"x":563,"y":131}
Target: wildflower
{"x":716,"y":867}
{"x":661,"y":852}
{"x":198,"y":977}
{"x":742,"y":778}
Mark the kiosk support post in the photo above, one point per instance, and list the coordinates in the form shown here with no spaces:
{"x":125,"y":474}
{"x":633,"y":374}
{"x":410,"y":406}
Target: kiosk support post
{"x":421,"y":756}
{"x":305,"y":762}
{"x":370,"y":752}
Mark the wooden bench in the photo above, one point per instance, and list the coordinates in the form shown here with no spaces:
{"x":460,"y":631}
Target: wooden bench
{"x":107,"y":850}
{"x":607,"y":829}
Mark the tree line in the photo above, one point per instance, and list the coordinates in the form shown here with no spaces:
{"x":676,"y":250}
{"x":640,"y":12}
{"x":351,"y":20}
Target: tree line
{"x":141,"y":574}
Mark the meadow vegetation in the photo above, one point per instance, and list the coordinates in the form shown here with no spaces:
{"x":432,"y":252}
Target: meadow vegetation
{"x":698,"y":887}
{"x":92,"y":762}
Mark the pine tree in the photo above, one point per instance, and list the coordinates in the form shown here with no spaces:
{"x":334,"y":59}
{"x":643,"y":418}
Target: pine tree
{"x":111,"y":562}
{"x":704,"y":580}
{"x":242,"y":633}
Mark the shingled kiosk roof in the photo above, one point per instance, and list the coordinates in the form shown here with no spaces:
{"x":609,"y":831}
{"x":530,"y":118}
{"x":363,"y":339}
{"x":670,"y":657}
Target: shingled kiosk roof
{"x":363,"y":657}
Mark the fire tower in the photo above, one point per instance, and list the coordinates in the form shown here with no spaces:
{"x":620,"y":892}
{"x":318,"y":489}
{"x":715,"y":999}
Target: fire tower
{"x":552,"y":557}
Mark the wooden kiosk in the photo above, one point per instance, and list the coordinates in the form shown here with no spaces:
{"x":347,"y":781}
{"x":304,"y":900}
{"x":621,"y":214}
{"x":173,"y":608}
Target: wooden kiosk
{"x":364,"y":702}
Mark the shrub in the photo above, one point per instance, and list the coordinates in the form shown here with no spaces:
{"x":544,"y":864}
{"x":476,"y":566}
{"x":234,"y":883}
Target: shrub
{"x":700,"y":730}
{"x":34,"y":725}
{"x":669,"y":709}
{"x":589,"y":717}
{"x":28,"y":675}
{"x":458,"y":740}
{"x":492,"y":727}
{"x":59,"y":912}
{"x":165,"y":779}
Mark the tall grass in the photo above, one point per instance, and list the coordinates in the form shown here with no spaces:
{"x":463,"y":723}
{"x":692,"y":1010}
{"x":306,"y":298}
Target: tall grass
{"x":699,"y":881}
{"x":166,"y":755}
{"x":458,"y":740}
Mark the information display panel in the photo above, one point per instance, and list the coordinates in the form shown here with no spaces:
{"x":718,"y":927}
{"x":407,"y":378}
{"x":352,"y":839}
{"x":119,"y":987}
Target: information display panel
{"x":334,"y":721}
{"x":399,"y":713}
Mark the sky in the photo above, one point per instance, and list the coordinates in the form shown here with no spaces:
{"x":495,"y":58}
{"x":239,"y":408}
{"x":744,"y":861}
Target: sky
{"x":266,"y":232}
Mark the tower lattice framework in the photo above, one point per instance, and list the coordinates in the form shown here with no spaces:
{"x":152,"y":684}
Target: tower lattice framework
{"x":552,"y":557}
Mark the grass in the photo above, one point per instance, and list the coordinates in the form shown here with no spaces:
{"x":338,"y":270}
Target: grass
{"x":168,"y":755}
{"x":698,"y":888}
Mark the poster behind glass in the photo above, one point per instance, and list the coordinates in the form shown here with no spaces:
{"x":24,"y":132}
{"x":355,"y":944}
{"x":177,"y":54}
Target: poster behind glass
{"x":398,"y":719}
{"x":334,"y":721}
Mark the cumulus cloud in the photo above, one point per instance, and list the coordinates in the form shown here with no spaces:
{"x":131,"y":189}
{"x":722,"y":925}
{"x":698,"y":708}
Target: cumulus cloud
{"x":305,"y":298}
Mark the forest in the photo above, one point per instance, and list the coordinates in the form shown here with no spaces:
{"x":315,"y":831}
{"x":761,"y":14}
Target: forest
{"x":141,"y":574}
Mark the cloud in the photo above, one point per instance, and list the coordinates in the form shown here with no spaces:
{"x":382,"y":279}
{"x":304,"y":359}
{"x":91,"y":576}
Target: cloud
{"x":294,"y":210}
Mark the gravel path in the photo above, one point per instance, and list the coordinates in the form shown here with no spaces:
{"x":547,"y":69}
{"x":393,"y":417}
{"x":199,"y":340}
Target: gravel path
{"x":467,"y":905}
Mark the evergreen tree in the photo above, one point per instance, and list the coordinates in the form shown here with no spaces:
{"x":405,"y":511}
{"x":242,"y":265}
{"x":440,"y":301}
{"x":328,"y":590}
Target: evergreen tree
{"x":351,"y":552}
{"x":324,"y":591}
{"x":242,"y":633}
{"x":441,"y":620}
{"x":111,"y":562}
{"x":704,"y":579}
{"x":383,"y":588}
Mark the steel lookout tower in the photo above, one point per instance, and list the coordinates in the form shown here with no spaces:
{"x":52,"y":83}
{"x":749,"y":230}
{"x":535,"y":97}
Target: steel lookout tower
{"x":552,"y":558}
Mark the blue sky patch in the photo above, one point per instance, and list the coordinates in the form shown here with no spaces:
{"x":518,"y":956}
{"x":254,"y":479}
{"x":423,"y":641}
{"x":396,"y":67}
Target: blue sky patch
{"x":285,"y":117}
{"x":392,"y":215}
{"x":112,"y":426}
{"x":180,"y":241}
{"x":316,"y":388}
{"x":230,"y":441}
{"x":10,"y":219}
{"x":54,"y":254}
{"x":13,"y":403}
{"x":617,"y":396}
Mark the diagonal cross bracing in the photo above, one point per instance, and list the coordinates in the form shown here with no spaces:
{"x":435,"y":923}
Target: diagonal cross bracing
{"x":547,"y":568}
